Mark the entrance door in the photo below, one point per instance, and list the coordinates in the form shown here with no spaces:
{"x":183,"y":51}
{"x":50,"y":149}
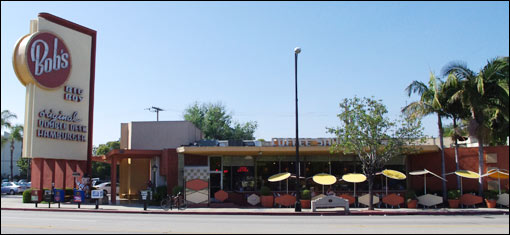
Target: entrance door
{"x":215,"y":176}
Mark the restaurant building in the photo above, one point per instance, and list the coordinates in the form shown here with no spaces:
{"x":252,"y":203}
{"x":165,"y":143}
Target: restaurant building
{"x":179,"y":156}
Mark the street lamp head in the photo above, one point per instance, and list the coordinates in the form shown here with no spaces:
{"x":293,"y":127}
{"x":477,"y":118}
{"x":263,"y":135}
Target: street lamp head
{"x":297,"y":50}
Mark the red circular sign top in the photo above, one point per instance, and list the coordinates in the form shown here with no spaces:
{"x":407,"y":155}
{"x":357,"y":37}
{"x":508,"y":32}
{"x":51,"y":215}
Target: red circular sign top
{"x":48,"y":59}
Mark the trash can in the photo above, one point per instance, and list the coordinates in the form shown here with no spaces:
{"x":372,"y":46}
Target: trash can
{"x":79,"y":196}
{"x":36,"y":195}
{"x":59,"y":195}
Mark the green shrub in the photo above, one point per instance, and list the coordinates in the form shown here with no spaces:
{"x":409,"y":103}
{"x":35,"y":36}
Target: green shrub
{"x":177,"y":189}
{"x":453,"y":194}
{"x":265,"y":191}
{"x":491,"y":195}
{"x":27,"y":196}
{"x":161,"y":192}
{"x":306,"y":194}
{"x":410,"y":195}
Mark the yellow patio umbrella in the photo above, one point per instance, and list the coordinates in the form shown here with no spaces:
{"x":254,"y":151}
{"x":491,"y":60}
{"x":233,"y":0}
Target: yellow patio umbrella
{"x":425,"y":172}
{"x":324,"y":179}
{"x":394,"y":175}
{"x":497,"y":174}
{"x":465,"y":174}
{"x":280,"y":177}
{"x":354,"y":178}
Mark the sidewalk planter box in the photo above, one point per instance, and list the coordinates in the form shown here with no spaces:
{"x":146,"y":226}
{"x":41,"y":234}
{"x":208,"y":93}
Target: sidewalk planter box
{"x":453,"y":203}
{"x":412,"y":203}
{"x":267,"y":201}
{"x":490,"y":203}
{"x":306,"y":204}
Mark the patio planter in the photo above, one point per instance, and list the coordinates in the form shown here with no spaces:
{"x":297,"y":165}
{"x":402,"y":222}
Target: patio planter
{"x":453,"y":203}
{"x":266,"y":201}
{"x":306,"y":204}
{"x":412,"y":203}
{"x":490,"y":203}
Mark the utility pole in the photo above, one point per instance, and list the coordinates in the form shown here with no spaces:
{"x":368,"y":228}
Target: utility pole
{"x":156,"y":110}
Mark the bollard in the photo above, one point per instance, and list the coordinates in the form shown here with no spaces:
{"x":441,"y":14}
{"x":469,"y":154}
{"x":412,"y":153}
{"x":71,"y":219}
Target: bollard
{"x":79,"y":205}
{"x":145,"y":205}
{"x":58,"y":204}
{"x":97,"y":203}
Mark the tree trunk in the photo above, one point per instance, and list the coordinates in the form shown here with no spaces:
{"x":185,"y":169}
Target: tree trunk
{"x":370,"y":192}
{"x":440,"y":126}
{"x":457,"y":167}
{"x":480,"y":164}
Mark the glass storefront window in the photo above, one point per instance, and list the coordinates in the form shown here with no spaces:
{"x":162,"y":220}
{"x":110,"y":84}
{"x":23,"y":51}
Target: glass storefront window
{"x":243,"y":178}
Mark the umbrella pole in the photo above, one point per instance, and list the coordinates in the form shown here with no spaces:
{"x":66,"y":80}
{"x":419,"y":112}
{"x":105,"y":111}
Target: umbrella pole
{"x":322,"y":189}
{"x":287,"y":185}
{"x":461,"y":186}
{"x":386,"y":185}
{"x":499,"y":185}
{"x":425,"y":184}
{"x":354,"y":190}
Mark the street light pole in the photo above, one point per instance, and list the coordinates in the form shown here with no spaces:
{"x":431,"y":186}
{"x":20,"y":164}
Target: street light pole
{"x":297,"y":207}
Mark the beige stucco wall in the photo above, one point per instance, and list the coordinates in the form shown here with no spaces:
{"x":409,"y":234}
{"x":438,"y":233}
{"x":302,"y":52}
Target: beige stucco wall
{"x":158,"y":135}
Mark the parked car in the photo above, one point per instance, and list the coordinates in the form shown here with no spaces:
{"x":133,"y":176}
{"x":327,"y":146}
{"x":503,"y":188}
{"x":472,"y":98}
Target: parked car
{"x":106,"y":187}
{"x":97,"y":181}
{"x":24,"y":186}
{"x":10,"y":188}
{"x":5,"y":180}
{"x":22,"y":181}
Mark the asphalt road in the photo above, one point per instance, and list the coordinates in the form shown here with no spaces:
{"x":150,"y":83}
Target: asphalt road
{"x":69,"y":222}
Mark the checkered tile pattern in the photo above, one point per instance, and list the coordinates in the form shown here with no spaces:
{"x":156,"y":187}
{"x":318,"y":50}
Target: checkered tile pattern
{"x":191,"y":173}
{"x":194,"y":173}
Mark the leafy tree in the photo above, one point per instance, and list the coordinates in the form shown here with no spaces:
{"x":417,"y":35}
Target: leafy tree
{"x":368,"y":133}
{"x":431,"y":103}
{"x":100,"y":169}
{"x":24,"y":166}
{"x":216,"y":123}
{"x":486,"y":95}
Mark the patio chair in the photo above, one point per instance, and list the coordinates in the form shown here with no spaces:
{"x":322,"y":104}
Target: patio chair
{"x":348,"y":197}
{"x":469,"y":199}
{"x":393,"y":200}
{"x":286,"y":200}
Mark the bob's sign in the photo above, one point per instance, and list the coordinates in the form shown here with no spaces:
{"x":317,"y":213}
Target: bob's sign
{"x":55,"y":61}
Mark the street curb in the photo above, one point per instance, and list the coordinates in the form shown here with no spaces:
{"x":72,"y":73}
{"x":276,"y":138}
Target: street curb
{"x":335,"y":213}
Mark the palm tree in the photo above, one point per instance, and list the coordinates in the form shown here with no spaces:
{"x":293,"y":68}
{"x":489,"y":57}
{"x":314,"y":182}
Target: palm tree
{"x":16,"y":135}
{"x":429,"y":103}
{"x":457,"y":111}
{"x":483,"y":92}
{"x":6,"y":122}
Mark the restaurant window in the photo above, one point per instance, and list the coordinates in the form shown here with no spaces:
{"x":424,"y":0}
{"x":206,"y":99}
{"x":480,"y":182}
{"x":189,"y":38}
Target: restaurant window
{"x":238,"y":174}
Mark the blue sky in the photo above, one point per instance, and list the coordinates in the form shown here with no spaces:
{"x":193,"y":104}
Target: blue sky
{"x":171,"y":54}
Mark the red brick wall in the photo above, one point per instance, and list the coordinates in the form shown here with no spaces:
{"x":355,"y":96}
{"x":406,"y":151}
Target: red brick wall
{"x":468,"y":160}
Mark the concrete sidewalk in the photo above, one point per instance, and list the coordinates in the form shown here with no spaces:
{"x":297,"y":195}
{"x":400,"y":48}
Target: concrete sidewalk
{"x":14,"y":202}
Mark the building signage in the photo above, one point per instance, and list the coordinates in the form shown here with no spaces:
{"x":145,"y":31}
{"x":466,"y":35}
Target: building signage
{"x":55,"y":63}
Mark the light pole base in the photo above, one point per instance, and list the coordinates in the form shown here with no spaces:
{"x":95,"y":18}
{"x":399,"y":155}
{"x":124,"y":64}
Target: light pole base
{"x":297,"y":206}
